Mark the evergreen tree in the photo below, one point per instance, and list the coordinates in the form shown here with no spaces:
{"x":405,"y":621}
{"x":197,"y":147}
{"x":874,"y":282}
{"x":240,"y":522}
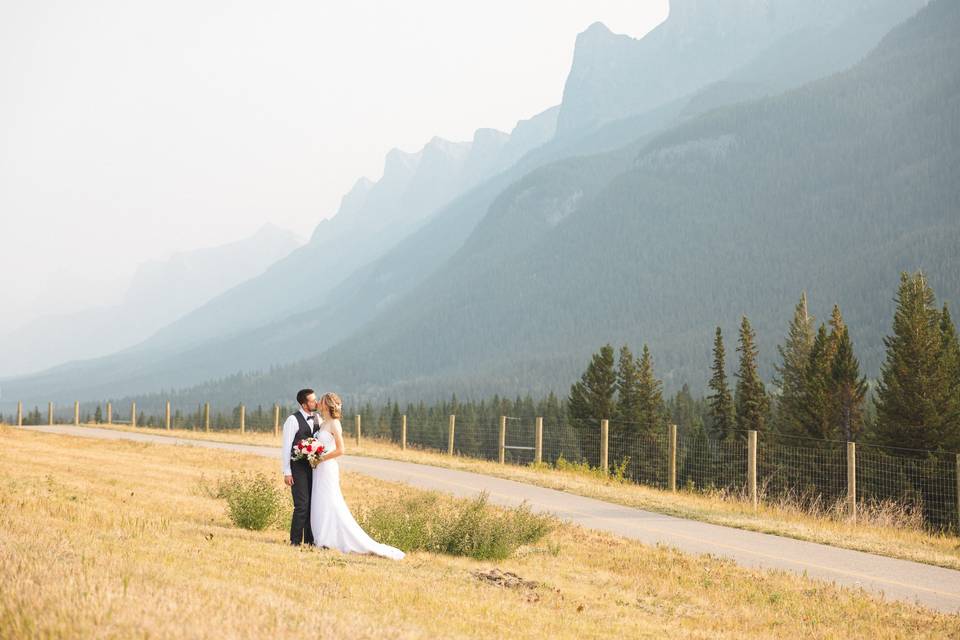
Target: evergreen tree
{"x":837,"y":326}
{"x":98,"y":415}
{"x":722,"y":420}
{"x":816,"y":420}
{"x":395,"y":422}
{"x":950,"y":363}
{"x":791,"y":373}
{"x":911,"y":393}
{"x":650,"y":395}
{"x":592,"y":397}
{"x":552,"y":410}
{"x":686,"y":412}
{"x":750,"y":395}
{"x":849,"y":389}
{"x":627,"y":414}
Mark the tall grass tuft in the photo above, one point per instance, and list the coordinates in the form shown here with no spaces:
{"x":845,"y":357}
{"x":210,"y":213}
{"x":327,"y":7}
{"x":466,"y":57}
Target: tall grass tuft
{"x":254,"y":501}
{"x":473,"y":528}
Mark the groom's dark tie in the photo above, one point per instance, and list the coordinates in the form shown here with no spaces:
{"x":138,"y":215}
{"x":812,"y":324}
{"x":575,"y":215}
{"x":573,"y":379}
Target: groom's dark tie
{"x":313,"y":419}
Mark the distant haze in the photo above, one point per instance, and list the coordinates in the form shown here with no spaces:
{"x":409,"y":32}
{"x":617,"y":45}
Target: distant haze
{"x":129,"y":131}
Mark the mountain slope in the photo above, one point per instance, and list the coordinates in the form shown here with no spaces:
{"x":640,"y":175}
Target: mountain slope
{"x":833,"y":188}
{"x":224,"y":334}
{"x":836,"y":38}
{"x":615,"y":76}
{"x":373,"y":287}
{"x":159,"y":293}
{"x":371,"y":218}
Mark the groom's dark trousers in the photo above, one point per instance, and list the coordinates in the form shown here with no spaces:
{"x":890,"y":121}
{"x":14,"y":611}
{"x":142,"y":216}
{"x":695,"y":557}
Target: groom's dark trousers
{"x":302,"y":474}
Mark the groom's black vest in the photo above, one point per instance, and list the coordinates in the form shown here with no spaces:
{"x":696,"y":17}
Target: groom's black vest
{"x":303,"y":431}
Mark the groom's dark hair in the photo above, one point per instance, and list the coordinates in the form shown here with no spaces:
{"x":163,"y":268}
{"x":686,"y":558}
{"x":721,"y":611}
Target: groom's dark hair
{"x":302,"y":395}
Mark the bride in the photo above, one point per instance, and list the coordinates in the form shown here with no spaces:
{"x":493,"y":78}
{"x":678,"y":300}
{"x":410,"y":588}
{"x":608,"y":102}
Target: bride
{"x":330,"y":519}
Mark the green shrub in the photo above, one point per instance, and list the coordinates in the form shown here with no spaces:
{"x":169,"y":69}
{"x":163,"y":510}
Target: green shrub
{"x":254,"y":501}
{"x":428,"y":522}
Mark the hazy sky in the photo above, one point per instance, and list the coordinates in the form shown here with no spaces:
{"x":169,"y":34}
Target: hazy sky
{"x":129,"y":130}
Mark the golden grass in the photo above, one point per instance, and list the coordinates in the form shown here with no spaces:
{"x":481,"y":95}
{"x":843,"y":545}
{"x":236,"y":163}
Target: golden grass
{"x":120,"y":539}
{"x":880,"y":537}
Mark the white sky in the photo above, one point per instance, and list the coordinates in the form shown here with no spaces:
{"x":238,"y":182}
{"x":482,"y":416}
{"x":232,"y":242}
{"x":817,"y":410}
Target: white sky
{"x":129,"y":130}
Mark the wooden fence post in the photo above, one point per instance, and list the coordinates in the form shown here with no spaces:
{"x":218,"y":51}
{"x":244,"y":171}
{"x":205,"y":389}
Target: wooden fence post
{"x":357,"y":425}
{"x":109,"y":413}
{"x":19,"y":413}
{"x":76,"y":413}
{"x":604,"y":445}
{"x":50,"y":413}
{"x":403,"y":432}
{"x":276,"y":420}
{"x":206,"y":416}
{"x":538,"y":442}
{"x":243,"y":419}
{"x":673,"y":458}
{"x":502,"y":441}
{"x":166,"y":416}
{"x":852,"y":480}
{"x":133,"y":414}
{"x":752,"y":467}
{"x":453,"y":423}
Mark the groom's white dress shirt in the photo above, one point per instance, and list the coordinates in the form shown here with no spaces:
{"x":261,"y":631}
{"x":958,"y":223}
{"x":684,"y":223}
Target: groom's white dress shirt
{"x":290,"y":427}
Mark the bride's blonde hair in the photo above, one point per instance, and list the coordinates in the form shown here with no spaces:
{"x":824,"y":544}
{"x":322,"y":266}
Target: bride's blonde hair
{"x":333,"y":403}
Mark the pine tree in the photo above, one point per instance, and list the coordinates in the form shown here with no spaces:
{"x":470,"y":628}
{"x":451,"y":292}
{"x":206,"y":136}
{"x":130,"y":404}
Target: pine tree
{"x":395,"y":422}
{"x":627,"y":414}
{"x":791,"y":374}
{"x":592,"y":397}
{"x":816,"y":420}
{"x":837,"y":326}
{"x":686,"y":412}
{"x":849,"y":389}
{"x":950,"y":364}
{"x":911,"y":395}
{"x":552,"y":410}
{"x":750,"y":395}
{"x":722,"y":419}
{"x":650,"y":394}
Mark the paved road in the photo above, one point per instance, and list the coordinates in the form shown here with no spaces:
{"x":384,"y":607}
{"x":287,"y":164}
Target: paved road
{"x":934,"y":587}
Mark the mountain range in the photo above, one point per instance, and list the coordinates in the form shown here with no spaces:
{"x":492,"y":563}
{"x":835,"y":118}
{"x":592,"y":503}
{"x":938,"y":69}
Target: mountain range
{"x":834,"y":188}
{"x":642,"y":218}
{"x":160,"y":292}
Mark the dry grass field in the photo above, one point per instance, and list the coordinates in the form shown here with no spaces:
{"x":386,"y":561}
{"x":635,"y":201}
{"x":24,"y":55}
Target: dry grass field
{"x":876,"y":534}
{"x":124,"y":540}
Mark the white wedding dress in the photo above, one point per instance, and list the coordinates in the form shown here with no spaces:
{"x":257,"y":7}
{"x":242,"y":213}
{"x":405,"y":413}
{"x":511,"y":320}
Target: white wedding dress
{"x":330,"y":519}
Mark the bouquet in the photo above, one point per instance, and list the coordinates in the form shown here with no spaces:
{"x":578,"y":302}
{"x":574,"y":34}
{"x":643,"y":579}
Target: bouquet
{"x":309,"y":449}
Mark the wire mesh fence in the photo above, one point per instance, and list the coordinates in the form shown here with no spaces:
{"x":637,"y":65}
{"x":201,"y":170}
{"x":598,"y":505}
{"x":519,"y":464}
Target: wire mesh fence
{"x":254,"y":419}
{"x":810,"y":474}
{"x":899,"y":487}
{"x":911,"y":488}
{"x":708,"y":465}
{"x":519,"y":435}
{"x":638,"y":455}
{"x":565,"y":440}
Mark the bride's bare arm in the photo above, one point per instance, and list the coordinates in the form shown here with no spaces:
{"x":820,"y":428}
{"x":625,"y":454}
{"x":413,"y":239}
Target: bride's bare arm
{"x":338,"y":439}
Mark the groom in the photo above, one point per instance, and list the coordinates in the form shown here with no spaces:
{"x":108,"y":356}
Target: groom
{"x":298,"y":475}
